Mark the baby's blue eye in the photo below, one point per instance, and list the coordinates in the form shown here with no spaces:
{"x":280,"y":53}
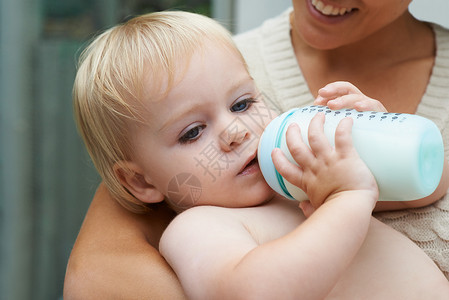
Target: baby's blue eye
{"x":242,"y":105}
{"x":191,"y":135}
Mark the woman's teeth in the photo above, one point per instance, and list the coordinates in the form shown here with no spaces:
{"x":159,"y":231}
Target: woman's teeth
{"x":328,"y":9}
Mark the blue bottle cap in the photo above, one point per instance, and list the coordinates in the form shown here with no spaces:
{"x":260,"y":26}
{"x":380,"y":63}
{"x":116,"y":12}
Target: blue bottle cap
{"x":269,"y":140}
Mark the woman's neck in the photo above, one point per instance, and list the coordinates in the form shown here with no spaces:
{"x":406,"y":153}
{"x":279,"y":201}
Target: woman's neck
{"x":404,"y":39}
{"x":372,"y":63}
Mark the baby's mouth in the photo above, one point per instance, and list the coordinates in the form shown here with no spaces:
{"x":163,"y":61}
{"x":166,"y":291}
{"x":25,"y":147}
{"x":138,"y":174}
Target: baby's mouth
{"x":330,"y":10}
{"x":248,"y":167}
{"x":252,"y":162}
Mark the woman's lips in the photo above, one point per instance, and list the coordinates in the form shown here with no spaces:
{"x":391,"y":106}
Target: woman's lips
{"x":328,"y":13}
{"x":329,"y":9}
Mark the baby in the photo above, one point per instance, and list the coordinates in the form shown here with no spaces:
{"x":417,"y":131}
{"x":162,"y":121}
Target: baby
{"x":169,"y":112}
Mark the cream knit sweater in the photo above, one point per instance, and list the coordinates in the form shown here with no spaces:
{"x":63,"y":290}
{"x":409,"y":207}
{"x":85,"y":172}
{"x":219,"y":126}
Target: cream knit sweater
{"x":269,"y":54}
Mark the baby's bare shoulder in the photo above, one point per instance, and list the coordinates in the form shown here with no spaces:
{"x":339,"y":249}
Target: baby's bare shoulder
{"x":261,"y":223}
{"x":278,"y":208}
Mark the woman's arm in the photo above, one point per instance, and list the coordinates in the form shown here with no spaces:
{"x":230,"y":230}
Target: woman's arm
{"x":115,"y":255}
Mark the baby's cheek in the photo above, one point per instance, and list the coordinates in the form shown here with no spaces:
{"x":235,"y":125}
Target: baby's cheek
{"x":184,"y":190}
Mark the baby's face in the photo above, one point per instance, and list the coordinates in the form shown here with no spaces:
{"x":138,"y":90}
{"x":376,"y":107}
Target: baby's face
{"x":199,"y":146}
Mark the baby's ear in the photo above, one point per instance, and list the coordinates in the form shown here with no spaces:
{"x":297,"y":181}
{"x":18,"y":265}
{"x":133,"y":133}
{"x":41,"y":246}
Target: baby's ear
{"x":132,"y":178}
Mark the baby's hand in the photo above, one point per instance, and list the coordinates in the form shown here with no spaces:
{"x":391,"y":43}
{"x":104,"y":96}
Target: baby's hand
{"x":342,"y":94}
{"x":325,"y":171}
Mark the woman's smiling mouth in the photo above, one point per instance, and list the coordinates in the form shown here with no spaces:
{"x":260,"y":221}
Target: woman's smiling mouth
{"x":330,"y":10}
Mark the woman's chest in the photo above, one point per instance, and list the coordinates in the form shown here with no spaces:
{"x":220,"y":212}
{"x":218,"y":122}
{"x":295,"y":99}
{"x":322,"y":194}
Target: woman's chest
{"x":400,"y":86}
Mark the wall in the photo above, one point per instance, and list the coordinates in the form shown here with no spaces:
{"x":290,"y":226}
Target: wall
{"x":436,"y":11}
{"x":46,"y":179}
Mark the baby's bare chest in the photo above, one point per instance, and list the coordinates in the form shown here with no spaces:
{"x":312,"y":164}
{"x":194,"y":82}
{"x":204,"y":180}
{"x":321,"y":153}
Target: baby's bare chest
{"x":272,"y":221}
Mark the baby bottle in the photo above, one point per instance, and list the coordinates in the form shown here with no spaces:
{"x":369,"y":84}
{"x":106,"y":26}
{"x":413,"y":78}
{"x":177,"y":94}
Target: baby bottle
{"x":404,"y":152}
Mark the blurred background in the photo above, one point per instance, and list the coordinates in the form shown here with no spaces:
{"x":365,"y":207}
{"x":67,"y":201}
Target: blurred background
{"x":46,"y":177}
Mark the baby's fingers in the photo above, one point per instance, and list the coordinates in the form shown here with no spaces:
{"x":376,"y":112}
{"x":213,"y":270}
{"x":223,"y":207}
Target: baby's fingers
{"x":307,"y":208}
{"x":338,"y":88}
{"x":369,"y":104}
{"x":344,"y":101}
{"x":335,"y":90}
{"x":298,"y":149}
{"x":358,"y":102}
{"x":342,"y":94}
{"x":291,"y":172}
{"x":317,"y":139}
{"x":343,"y":137}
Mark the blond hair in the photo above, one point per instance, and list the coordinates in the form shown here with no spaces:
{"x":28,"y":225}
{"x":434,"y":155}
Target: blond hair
{"x":112,"y":73}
